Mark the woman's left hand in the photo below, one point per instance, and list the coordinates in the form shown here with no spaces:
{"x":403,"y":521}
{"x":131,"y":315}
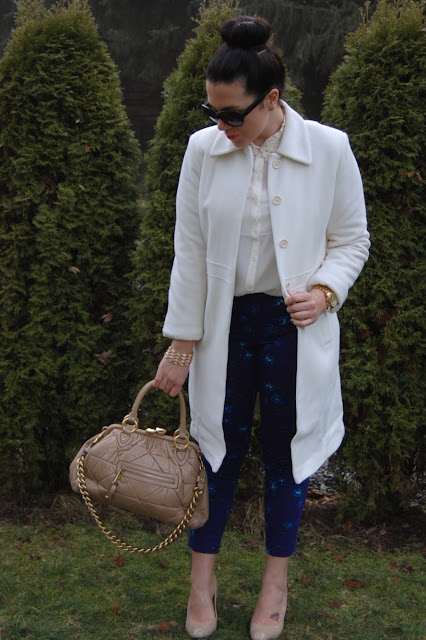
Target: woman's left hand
{"x":305,"y":307}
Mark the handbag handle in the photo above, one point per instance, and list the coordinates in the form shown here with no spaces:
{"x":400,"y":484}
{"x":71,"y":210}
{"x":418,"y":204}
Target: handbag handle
{"x":132,"y":420}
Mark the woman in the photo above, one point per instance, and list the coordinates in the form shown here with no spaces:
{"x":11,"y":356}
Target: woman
{"x":270,"y":235}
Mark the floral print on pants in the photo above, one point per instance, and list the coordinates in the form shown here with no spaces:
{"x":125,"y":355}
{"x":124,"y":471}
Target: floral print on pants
{"x":262,"y":360}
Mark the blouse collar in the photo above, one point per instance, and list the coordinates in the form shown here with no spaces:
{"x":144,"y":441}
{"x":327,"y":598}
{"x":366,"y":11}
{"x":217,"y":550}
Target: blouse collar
{"x":271,"y":144}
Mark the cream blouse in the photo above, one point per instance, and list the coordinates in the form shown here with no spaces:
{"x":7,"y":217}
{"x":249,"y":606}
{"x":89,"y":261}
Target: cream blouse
{"x":256,"y":263}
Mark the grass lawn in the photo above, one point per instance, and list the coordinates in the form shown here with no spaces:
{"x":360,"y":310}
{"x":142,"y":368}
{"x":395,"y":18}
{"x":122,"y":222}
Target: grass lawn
{"x":61,"y":579}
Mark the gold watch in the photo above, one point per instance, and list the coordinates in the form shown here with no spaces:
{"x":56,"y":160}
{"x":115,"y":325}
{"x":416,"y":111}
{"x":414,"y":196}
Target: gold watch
{"x":330,"y":296}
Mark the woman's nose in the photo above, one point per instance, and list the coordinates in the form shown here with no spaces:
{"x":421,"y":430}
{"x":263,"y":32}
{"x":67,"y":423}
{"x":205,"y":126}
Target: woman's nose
{"x":222,"y":126}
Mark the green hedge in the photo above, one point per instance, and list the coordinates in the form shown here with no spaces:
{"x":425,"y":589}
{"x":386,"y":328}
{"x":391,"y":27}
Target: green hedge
{"x":69,"y":215}
{"x":378,"y":96}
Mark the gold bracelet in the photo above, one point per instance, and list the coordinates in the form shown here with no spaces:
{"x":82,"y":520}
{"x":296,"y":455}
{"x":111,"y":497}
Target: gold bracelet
{"x":182,"y":359}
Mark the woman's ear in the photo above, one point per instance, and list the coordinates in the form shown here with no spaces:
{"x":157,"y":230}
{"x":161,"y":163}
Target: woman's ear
{"x":273,"y":98}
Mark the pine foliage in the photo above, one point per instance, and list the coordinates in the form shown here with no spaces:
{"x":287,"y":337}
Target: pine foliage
{"x":184,"y":91}
{"x":377,"y":96}
{"x":68,"y":220}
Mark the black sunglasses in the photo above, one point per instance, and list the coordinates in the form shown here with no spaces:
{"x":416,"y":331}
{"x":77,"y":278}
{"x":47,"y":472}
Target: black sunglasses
{"x":233,"y":118}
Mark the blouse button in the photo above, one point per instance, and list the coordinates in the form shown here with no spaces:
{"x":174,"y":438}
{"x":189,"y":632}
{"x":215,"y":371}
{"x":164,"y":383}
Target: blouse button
{"x":276,"y":164}
{"x":283,"y":244}
{"x":277,"y":200}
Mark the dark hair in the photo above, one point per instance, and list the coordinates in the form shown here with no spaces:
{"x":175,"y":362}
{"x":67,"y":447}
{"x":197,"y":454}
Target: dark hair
{"x":247,"y":55}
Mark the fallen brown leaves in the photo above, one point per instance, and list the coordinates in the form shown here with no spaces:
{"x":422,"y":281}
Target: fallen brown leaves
{"x":396,"y":566}
{"x":61,"y":544}
{"x":338,"y":559}
{"x":118,"y":561}
{"x":307,"y":581}
{"x":322,"y":497}
{"x":336,"y":604}
{"x":325,"y":614}
{"x":354,"y":584}
{"x":163,"y":627}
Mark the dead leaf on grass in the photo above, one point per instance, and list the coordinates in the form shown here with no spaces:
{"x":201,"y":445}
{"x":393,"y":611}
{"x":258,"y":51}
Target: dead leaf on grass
{"x":407,"y":568}
{"x":233,"y":602}
{"x":163,"y":564}
{"x":252,"y":544}
{"x":338,"y":559}
{"x":307,"y":581}
{"x":165,"y":627}
{"x":354,"y":584}
{"x":396,"y":566}
{"x":324,"y":614}
{"x":60,"y":544}
{"x":118,"y":561}
{"x":336,"y":604}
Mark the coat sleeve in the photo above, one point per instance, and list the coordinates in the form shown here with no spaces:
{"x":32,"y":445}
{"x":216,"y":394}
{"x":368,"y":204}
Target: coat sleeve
{"x":347,"y":243}
{"x":187,"y":292}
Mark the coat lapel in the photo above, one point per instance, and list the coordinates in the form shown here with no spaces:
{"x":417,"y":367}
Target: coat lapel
{"x":295,"y":143}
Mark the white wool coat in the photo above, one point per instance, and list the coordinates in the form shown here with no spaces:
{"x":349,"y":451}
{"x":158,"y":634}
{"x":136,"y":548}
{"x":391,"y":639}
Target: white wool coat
{"x":320,"y":237}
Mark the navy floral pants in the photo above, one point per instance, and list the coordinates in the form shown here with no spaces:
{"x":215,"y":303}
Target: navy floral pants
{"x":262,"y":359}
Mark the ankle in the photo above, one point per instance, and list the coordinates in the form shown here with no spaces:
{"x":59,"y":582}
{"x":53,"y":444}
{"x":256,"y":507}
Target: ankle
{"x":203,"y":582}
{"x":277,"y":583}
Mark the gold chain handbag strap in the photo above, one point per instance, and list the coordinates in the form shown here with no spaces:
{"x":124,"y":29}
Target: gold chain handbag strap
{"x":183,"y":524}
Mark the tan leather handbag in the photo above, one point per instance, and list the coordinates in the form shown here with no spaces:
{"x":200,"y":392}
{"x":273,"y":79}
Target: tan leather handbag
{"x":144,"y":471}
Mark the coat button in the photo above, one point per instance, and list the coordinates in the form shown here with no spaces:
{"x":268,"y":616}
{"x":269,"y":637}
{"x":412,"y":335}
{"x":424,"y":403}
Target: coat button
{"x":276,"y":164}
{"x":277,"y":200}
{"x":283,"y":244}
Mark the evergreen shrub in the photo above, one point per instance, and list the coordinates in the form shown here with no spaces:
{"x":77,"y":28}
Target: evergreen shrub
{"x":377,"y":96}
{"x":184,"y":91}
{"x":69,"y":215}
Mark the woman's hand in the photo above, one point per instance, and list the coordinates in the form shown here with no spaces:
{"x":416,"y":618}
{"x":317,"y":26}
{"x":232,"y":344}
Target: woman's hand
{"x":171,"y":377}
{"x":305,"y":307}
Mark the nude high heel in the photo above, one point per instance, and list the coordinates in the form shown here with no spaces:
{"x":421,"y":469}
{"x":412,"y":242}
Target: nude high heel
{"x":262,"y":632}
{"x":266,"y":632}
{"x":202,"y":629}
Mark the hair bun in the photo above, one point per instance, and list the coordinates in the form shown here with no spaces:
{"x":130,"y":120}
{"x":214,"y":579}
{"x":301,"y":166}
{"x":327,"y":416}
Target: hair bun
{"x":246,"y":32}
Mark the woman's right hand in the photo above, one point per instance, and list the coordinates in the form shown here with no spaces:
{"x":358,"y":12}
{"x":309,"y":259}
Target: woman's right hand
{"x":171,"y":377}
